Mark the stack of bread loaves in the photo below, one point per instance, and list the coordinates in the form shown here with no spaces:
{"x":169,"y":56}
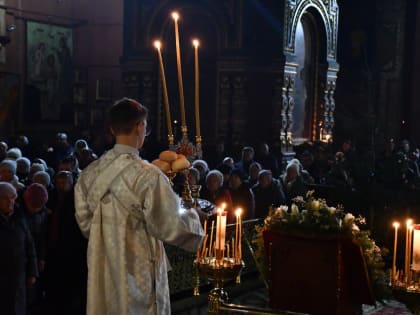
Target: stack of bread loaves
{"x":170,"y":161}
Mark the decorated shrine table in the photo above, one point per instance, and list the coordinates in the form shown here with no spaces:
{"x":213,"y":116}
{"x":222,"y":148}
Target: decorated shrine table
{"x":323,"y":274}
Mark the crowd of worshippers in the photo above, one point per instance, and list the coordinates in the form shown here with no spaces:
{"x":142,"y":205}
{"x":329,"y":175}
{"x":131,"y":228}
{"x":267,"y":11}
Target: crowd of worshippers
{"x":43,"y":263}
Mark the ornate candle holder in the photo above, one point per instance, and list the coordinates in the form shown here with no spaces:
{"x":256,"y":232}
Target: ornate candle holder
{"x":218,"y":271}
{"x":187,"y":199}
{"x":195,"y":193}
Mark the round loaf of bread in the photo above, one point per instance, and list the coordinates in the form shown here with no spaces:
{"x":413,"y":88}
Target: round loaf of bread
{"x":168,"y":156}
{"x":163,"y":165}
{"x":181,"y":163}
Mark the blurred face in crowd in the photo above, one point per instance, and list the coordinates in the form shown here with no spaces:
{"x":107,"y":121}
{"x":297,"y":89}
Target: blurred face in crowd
{"x":65,"y":166}
{"x":253,"y":171}
{"x":63,"y":185}
{"x":192,"y":180}
{"x":201,"y":169}
{"x":264,"y":149}
{"x":265,"y":180}
{"x":213,"y":183}
{"x":229,"y":161}
{"x":235,"y":181}
{"x":307,"y":160}
{"x":292,"y":173}
{"x":3,"y":147}
{"x":247,"y":155}
{"x":406,"y":146}
{"x":6,"y":175}
{"x":7,"y":203}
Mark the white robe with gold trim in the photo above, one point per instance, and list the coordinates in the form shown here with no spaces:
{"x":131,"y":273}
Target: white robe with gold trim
{"x":126,"y":207}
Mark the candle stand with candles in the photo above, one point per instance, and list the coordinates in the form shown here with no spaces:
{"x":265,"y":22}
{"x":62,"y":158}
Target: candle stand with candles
{"x":219,"y":260}
{"x":405,"y":283}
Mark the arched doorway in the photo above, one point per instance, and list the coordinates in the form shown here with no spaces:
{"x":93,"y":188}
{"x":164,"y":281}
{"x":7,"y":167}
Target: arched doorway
{"x":310,"y":51}
{"x":310,"y":71}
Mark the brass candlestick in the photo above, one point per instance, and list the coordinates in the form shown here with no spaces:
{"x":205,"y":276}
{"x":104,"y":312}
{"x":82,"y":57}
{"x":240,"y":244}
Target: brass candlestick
{"x":218,"y":271}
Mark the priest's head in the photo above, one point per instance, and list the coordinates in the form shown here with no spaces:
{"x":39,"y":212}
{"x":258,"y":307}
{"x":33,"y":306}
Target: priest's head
{"x":128,"y":122}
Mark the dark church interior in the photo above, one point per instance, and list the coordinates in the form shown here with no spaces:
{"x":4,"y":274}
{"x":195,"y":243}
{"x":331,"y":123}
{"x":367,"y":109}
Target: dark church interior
{"x":302,"y":114}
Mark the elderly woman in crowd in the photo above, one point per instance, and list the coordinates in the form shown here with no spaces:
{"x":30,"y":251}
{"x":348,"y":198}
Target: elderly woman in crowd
{"x":23,"y":166}
{"x":8,"y":174}
{"x":215,"y":192}
{"x":18,"y":263}
{"x":267,"y":192}
{"x":203,"y":168}
{"x":293,"y":185}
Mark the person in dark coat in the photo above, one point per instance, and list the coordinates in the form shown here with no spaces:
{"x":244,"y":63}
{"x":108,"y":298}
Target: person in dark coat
{"x":242,"y":196}
{"x":267,"y":193}
{"x":18,"y":263}
{"x":246,"y":160}
{"x":36,"y":215}
{"x":66,"y":267}
{"x":268,"y":160}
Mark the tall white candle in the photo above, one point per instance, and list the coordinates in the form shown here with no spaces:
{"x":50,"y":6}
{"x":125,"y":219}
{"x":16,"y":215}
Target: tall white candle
{"x":175,"y":17}
{"x":394,"y":258}
{"x":409,"y":222}
{"x":158,"y":45}
{"x":221,"y":230}
{"x":416,"y":248}
{"x":196,"y":43}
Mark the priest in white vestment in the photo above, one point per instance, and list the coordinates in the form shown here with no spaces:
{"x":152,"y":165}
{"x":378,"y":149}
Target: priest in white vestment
{"x":126,"y":208}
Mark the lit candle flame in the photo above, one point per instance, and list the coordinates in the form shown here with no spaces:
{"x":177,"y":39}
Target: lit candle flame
{"x":409,"y":222}
{"x":238,"y":212}
{"x":396,"y":225}
{"x":196,"y":43}
{"x":224,"y":206}
{"x":157,"y":44}
{"x":175,"y":15}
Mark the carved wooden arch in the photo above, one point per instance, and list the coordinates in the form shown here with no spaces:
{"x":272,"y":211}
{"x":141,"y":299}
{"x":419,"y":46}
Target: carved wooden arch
{"x":218,"y":18}
{"x":327,"y":9}
{"x":328,"y":12}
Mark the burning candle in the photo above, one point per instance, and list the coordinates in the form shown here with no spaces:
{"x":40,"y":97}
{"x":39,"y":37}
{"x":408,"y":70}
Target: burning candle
{"x":220,"y":233}
{"x":410,"y":243}
{"x":416,"y":248}
{"x":196,"y":43}
{"x":394,"y":258}
{"x":409,"y":222}
{"x":175,"y":17}
{"x":158,"y":45}
{"x":238,"y":214}
{"x":211,"y":237}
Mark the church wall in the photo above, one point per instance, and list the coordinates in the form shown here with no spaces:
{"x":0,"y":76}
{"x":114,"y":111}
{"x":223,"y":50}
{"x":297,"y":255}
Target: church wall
{"x":97,"y":40}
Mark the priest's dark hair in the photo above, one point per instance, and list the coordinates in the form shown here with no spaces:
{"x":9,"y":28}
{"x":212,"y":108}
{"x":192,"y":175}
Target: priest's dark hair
{"x":125,"y":114}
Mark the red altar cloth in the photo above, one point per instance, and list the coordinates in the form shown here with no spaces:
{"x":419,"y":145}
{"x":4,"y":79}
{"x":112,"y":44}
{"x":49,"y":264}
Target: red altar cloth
{"x":316,"y":274}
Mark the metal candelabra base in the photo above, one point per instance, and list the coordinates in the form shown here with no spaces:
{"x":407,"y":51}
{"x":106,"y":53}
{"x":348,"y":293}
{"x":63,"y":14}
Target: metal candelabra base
{"x":217,"y":271}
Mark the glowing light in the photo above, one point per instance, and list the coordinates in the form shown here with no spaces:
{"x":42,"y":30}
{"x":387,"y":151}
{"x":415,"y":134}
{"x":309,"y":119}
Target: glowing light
{"x":238,"y":212}
{"x":196,"y":43}
{"x":157,"y":44}
{"x":175,"y":15}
